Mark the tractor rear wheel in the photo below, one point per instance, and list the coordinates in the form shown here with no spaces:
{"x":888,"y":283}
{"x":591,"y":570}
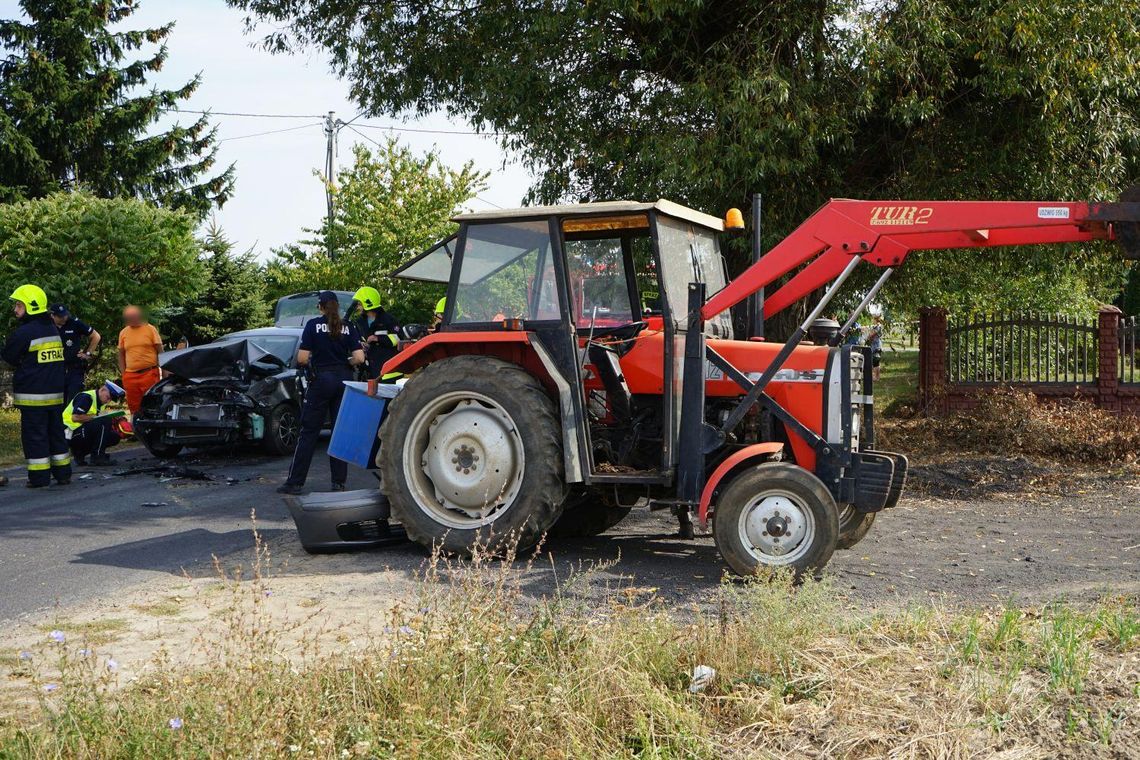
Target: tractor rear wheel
{"x":586,"y":514}
{"x":853,"y":526}
{"x":776,"y":515}
{"x":471,"y":456}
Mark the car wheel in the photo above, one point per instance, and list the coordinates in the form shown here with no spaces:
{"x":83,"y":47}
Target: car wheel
{"x":282,"y":430}
{"x":158,"y":449}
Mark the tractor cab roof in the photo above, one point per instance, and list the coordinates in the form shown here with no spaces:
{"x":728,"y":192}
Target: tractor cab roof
{"x":604,"y":207}
{"x":434,"y":264}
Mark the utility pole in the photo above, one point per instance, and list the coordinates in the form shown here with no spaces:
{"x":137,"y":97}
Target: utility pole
{"x":331,"y":129}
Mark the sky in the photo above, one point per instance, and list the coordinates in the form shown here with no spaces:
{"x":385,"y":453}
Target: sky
{"x":276,"y":195}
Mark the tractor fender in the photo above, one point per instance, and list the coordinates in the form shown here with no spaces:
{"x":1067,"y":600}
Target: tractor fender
{"x":761,"y":451}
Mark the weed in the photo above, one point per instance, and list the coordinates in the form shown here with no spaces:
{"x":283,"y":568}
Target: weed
{"x":471,"y":666}
{"x":94,"y":632}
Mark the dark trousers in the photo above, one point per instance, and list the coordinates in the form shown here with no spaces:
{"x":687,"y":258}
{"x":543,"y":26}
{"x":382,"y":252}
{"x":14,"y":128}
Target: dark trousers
{"x":322,"y":399}
{"x":93,"y":437}
{"x":73,"y":383}
{"x":45,"y":444}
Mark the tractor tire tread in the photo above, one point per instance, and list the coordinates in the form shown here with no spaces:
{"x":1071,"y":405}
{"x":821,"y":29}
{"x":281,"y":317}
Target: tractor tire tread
{"x":510,"y":381}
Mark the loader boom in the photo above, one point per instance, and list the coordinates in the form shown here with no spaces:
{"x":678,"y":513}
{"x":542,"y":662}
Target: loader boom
{"x":884,"y":233}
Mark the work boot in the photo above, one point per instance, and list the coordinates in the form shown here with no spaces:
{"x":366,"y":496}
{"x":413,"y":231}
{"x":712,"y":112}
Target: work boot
{"x":101,"y":460}
{"x":81,"y":461}
{"x":3,"y":480}
{"x":338,"y":486}
{"x":30,"y":484}
{"x":290,"y":490}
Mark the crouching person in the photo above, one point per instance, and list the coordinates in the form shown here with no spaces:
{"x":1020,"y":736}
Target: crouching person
{"x":90,"y":434}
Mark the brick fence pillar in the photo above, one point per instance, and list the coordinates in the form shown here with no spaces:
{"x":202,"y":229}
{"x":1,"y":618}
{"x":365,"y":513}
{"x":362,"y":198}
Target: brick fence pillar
{"x":1108,"y":356}
{"x":931,"y":356}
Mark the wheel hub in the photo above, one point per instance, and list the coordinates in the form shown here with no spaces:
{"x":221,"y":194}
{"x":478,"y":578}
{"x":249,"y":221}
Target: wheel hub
{"x":473,"y":458}
{"x":776,"y":526}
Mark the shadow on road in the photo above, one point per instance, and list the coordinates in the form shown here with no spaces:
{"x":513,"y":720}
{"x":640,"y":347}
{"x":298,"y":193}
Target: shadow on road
{"x":189,"y":552}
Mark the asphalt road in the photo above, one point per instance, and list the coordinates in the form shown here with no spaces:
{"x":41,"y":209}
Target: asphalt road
{"x":957,"y":536}
{"x":69,"y":544}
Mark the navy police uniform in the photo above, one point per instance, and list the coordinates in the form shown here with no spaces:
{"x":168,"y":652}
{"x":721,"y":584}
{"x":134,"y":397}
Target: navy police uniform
{"x":35,"y":350}
{"x":72,"y":334}
{"x":329,"y":362}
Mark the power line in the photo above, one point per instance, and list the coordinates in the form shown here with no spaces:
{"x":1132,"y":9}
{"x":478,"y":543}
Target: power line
{"x":393,"y":128}
{"x":387,"y":127}
{"x":250,"y":115}
{"x":270,"y":132}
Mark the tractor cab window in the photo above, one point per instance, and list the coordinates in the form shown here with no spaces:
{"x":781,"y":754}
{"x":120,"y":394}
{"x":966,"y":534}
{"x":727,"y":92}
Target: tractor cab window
{"x":600,"y":264}
{"x":506,"y":273}
{"x":691,"y":253}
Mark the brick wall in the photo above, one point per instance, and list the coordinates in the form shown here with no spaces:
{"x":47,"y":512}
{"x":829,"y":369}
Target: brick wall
{"x":938,"y":396}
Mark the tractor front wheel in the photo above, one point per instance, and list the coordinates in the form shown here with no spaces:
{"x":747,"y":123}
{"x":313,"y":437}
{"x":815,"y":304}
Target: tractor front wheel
{"x":776,"y":515}
{"x":587,"y":514}
{"x":853,"y":526}
{"x":471,"y":456}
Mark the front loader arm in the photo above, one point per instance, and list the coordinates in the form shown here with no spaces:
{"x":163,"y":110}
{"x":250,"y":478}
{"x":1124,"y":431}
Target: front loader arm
{"x":883,"y":233}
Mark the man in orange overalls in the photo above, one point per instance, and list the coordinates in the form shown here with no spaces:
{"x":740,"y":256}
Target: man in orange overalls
{"x":139,"y":347}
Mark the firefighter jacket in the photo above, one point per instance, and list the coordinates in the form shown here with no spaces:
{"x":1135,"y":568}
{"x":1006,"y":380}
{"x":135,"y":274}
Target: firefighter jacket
{"x":35,"y":350}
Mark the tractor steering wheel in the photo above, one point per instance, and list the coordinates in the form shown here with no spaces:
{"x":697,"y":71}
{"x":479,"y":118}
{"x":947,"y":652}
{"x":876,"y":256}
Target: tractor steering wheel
{"x":623,"y":332}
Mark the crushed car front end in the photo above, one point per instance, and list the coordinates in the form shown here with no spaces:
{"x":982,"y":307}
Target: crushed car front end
{"x":221,"y":395}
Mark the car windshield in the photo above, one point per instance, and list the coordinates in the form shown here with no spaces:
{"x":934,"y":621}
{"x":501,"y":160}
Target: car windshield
{"x":284,"y":347}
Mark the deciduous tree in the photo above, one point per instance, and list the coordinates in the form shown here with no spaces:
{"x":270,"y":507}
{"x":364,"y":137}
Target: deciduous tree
{"x":706,"y":101}
{"x":97,"y":255}
{"x":389,"y":205}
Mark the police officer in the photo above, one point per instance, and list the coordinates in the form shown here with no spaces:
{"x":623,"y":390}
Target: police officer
{"x":330,"y":348}
{"x":35,"y":350}
{"x":89,"y":433}
{"x":379,"y":329}
{"x":75,"y":357}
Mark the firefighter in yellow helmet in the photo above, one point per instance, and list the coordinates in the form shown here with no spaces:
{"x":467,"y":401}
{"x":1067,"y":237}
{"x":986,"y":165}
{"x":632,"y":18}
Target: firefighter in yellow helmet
{"x":377,"y":328}
{"x":437,"y":317}
{"x":35,"y":351}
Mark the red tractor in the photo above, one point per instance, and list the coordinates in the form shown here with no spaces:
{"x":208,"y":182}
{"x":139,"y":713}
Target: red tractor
{"x":586,"y":364}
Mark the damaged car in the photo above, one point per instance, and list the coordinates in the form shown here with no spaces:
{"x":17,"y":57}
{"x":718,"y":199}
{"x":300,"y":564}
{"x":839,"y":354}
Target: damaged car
{"x":243,"y":388}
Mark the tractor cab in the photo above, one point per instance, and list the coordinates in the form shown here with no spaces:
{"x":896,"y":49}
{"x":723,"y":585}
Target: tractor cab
{"x":598,"y":293}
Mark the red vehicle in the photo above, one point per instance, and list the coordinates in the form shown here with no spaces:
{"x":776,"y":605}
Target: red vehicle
{"x":586,"y":364}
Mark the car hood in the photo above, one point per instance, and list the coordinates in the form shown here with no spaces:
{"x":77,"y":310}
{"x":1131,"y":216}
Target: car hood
{"x":234,"y":359}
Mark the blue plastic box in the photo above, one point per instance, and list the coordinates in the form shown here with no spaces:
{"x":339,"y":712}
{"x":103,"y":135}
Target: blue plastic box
{"x":354,"y":436}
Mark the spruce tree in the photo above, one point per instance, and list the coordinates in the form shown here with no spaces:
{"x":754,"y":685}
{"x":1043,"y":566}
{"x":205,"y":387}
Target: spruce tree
{"x":75,"y":111}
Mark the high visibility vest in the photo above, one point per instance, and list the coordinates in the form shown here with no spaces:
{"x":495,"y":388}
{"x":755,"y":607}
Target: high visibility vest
{"x":68,"y":412}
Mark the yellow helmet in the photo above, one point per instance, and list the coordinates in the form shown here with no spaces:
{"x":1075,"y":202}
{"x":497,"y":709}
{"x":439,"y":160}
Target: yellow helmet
{"x":368,"y":297}
{"x":32,"y":296}
{"x":440,"y":305}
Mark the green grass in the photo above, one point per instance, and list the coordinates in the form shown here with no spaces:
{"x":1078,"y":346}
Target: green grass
{"x":11,"y":451}
{"x":474,"y":669}
{"x":898,"y":381}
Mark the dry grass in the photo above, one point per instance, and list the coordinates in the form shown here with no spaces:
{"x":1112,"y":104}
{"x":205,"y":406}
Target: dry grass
{"x":1013,"y":421}
{"x":475,"y":668}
